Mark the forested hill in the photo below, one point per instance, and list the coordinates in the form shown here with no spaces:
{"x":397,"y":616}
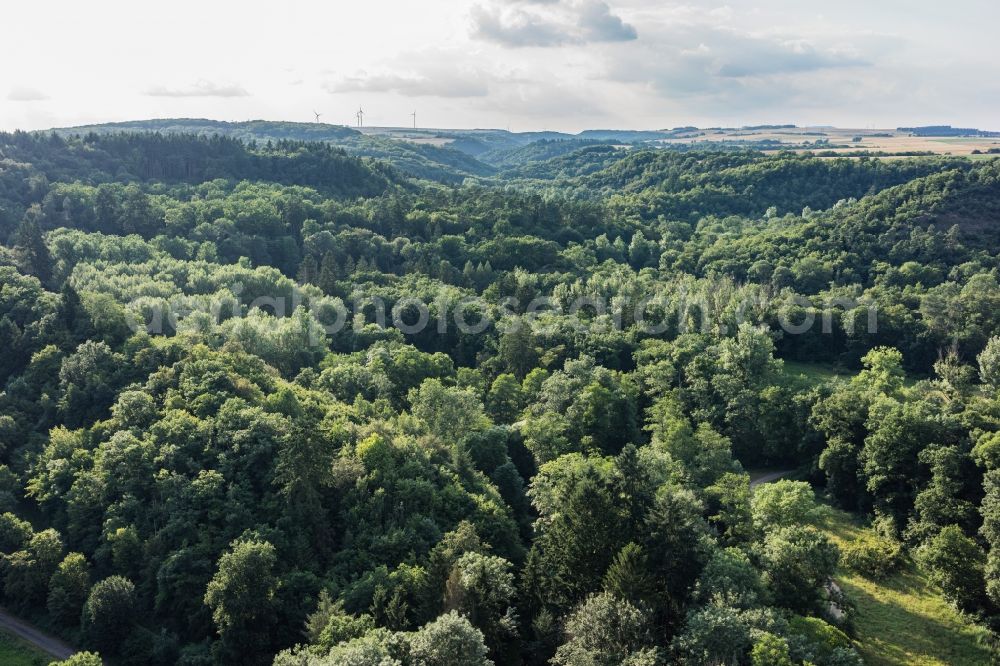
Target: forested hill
{"x":419,"y":160}
{"x":251,"y":130}
{"x":263,"y":401}
{"x":537,"y":152}
{"x":445,"y":155}
{"x":747,"y":183}
{"x":34,"y":158}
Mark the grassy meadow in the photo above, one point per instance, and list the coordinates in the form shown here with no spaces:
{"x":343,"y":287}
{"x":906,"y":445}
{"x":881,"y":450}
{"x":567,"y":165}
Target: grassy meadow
{"x":903,"y":619}
{"x":15,"y":652}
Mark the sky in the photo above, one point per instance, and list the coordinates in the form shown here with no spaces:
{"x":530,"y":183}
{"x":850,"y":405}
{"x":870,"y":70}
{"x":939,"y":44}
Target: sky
{"x":521,"y":64}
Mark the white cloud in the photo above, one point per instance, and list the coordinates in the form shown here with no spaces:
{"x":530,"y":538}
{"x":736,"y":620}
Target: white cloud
{"x":546,"y":24}
{"x":202,"y":88}
{"x":598,"y":24}
{"x":692,"y":59}
{"x":445,"y":73}
{"x":466,"y":85}
{"x":25,"y":94}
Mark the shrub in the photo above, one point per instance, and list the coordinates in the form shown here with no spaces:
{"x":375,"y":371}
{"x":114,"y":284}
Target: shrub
{"x":873,"y":558}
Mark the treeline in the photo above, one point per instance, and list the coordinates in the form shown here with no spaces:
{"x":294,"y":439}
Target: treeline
{"x":537,"y":151}
{"x":692,"y":185}
{"x":171,"y":159}
{"x":418,"y":160}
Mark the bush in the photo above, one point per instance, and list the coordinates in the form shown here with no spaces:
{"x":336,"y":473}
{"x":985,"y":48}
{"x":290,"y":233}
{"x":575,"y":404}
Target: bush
{"x":770,"y":650}
{"x":956,"y":563}
{"x":80,"y":659}
{"x":873,"y":558}
{"x":821,"y":640}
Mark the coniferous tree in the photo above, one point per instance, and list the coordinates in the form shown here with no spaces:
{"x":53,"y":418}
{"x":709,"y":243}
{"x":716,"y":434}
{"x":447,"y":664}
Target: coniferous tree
{"x":32,"y":253}
{"x":308,"y":272}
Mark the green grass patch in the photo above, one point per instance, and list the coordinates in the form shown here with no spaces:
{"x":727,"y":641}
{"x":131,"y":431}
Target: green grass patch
{"x":807,"y":375}
{"x":15,"y":652}
{"x":813,"y":374}
{"x":903,"y":619}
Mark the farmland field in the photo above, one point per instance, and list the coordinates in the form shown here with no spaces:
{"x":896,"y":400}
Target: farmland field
{"x":840,"y":140}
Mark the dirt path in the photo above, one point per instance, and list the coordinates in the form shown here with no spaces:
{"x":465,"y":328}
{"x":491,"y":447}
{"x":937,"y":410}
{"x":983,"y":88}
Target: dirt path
{"x":36,"y":637}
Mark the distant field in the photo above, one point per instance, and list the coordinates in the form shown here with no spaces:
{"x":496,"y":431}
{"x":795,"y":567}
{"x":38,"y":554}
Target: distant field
{"x":427,"y":137}
{"x":965,"y":140}
{"x":904,"y":620}
{"x":838,"y":136}
{"x":15,"y":652}
{"x":430,"y":141}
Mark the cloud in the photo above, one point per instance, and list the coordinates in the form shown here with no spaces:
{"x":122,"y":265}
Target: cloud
{"x":518,"y":28}
{"x":549,"y":23}
{"x":542,"y":102}
{"x":455,"y":84}
{"x":202,"y":88}
{"x":694,"y":58}
{"x":761,"y":57}
{"x":25,"y":94}
{"x":718,"y":68}
{"x":446,"y":73}
{"x":600,"y":25}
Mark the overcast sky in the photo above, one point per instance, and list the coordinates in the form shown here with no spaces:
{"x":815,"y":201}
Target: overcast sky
{"x":526,"y":64}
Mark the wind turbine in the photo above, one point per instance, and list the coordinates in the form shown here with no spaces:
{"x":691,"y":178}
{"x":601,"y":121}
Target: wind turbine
{"x":317,"y":115}
{"x":361,"y":117}
{"x":414,"y":114}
